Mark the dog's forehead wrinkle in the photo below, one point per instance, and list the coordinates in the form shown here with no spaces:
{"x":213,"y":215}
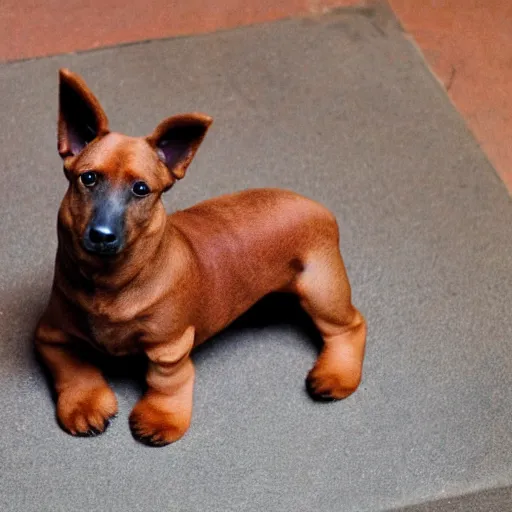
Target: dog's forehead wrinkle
{"x":123,"y":157}
{"x":124,"y":150}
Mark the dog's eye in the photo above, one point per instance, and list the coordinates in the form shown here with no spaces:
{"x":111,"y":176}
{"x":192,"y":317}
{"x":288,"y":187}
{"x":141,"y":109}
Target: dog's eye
{"x":89,"y":178}
{"x":140,"y":189}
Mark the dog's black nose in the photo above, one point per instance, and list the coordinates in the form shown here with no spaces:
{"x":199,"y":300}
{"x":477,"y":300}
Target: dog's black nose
{"x":102,"y":235}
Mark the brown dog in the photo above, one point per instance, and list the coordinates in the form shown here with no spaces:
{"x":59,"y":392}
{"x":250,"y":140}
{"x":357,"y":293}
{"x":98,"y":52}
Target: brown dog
{"x":130,"y":279}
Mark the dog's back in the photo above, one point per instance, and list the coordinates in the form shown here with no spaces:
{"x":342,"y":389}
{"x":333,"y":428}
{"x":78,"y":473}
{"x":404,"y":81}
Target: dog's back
{"x":279,"y":231}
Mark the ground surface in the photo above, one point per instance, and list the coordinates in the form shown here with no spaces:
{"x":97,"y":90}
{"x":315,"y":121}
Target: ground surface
{"x":340,"y":108}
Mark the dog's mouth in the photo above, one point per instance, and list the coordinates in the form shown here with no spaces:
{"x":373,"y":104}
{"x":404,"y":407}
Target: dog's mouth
{"x":104,"y":249}
{"x":101,"y":249}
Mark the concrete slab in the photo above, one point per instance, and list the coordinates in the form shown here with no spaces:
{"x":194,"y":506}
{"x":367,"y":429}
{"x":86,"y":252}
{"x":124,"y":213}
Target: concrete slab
{"x":340,"y":108}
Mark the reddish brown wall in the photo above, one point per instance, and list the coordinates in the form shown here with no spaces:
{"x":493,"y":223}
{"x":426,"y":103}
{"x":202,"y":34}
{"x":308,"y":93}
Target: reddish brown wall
{"x":468,"y":44}
{"x":32,"y":29}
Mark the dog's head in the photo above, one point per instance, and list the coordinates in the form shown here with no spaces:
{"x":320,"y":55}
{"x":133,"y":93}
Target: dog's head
{"x":116,"y":181}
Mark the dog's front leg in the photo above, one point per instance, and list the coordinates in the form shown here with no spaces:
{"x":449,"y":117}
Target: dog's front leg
{"x":164,"y":413}
{"x":85,"y":402}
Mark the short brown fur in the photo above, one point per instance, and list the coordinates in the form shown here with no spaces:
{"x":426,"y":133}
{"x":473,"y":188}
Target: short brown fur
{"x":180,"y":278}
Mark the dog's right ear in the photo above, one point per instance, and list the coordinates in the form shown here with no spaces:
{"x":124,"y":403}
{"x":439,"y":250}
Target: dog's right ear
{"x":81,"y":118}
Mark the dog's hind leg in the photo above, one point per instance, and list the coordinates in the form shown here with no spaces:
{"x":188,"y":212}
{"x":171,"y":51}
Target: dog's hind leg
{"x":324,"y":292}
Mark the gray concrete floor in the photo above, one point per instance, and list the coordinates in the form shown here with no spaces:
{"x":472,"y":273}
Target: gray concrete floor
{"x":340,"y":108}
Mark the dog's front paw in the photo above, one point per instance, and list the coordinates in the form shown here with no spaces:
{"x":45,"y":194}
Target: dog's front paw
{"x":86,"y":411}
{"x":154,"y":425}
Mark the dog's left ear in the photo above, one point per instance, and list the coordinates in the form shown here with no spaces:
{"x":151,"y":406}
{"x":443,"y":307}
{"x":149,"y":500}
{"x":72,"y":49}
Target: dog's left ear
{"x":177,"y":138}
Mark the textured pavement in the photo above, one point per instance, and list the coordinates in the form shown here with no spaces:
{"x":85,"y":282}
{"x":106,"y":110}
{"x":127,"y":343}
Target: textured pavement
{"x":340,"y":108}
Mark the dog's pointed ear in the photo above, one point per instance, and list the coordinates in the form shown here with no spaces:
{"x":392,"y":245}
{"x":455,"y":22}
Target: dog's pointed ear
{"x":81,"y":118}
{"x":177,"y":138}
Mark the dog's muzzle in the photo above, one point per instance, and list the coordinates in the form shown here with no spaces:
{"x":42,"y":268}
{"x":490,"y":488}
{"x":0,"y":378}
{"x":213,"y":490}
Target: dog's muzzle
{"x":102,"y":239}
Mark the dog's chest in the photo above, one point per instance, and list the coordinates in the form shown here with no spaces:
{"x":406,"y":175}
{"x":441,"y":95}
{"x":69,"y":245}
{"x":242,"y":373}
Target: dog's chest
{"x":115,"y":338}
